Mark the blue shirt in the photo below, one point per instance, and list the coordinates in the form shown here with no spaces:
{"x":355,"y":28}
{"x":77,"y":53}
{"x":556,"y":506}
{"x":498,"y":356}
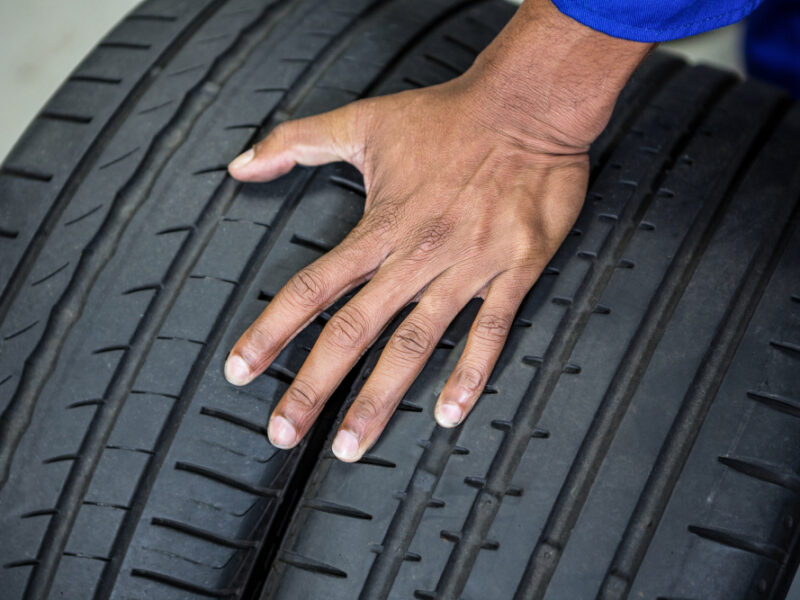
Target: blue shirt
{"x":656,"y":20}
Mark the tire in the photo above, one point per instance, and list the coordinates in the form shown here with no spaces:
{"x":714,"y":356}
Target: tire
{"x":637,"y":439}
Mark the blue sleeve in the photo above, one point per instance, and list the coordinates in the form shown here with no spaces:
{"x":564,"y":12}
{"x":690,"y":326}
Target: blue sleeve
{"x":655,"y":20}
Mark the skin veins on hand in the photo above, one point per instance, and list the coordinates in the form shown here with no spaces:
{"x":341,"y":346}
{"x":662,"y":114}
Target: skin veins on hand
{"x":471,"y":185}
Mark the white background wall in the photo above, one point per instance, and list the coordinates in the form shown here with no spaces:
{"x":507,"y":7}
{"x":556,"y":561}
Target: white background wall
{"x":41,"y":41}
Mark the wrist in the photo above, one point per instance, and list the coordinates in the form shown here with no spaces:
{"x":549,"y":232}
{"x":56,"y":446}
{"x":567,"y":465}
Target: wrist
{"x":549,"y":82}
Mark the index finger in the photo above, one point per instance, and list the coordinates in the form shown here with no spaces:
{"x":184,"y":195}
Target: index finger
{"x":308,"y":292}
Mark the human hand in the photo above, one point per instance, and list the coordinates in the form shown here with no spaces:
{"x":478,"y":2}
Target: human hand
{"x":469,"y":194}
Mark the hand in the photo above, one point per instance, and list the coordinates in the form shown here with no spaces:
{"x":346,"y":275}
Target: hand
{"x":468,"y":195}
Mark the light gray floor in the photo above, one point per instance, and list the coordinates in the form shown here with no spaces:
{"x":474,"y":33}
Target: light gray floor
{"x":41,"y":41}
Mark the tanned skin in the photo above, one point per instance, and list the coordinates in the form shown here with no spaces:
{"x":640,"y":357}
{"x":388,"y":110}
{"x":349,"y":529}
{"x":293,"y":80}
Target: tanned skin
{"x":472,"y":185}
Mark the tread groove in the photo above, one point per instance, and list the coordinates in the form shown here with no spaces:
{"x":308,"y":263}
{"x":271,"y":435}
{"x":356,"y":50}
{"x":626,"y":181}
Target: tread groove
{"x":740,"y":541}
{"x":156,"y":18}
{"x":348,"y":184}
{"x":309,"y":564}
{"x":227,"y":480}
{"x":306,"y":242}
{"x":234,"y":420}
{"x":96,"y":79}
{"x":280,"y":373}
{"x":376,"y":461}
{"x":42,"y":280}
{"x":83,"y":216}
{"x":20,"y":331}
{"x":50,"y":115}
{"x":203,"y":534}
{"x":180,"y":584}
{"x":119,"y":159}
{"x":770,"y":472}
{"x":443,"y":63}
{"x":25,"y":173}
{"x":790,"y":348}
{"x":784,"y":404}
{"x":337,"y":509}
{"x":45,"y":512}
{"x":124,"y":45}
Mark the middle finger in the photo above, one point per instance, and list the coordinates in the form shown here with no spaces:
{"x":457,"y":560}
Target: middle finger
{"x":342,"y":342}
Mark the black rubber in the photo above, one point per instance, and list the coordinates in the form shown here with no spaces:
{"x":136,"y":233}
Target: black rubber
{"x":639,"y":436}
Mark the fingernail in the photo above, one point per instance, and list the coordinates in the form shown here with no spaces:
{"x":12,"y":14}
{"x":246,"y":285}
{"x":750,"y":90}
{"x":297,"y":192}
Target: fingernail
{"x":237,"y":371}
{"x":345,"y":446}
{"x":242,"y":159}
{"x":448,"y":414}
{"x":281,"y":433}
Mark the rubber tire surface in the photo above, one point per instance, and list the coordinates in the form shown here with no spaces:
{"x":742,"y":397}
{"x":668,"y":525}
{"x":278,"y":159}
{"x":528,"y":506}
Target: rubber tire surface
{"x":638,"y":438}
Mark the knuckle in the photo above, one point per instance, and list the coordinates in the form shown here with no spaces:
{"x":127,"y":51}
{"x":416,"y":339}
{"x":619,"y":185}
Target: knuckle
{"x":383,"y":220}
{"x":256,"y":342}
{"x":308,"y":288}
{"x":347,"y":329}
{"x":492,"y":327}
{"x":470,"y":378}
{"x":367,"y":409}
{"x":430,"y":237}
{"x":527,"y":245}
{"x":412,"y":340}
{"x":302,"y":396}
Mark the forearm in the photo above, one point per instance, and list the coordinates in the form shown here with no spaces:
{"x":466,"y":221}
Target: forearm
{"x":552,"y":78}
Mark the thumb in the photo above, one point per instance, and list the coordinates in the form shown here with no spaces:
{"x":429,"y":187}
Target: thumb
{"x":310,"y":141}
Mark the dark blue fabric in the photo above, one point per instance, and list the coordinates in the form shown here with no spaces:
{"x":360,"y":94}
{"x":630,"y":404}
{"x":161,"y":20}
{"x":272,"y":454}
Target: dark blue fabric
{"x":772,"y":44}
{"x":656,"y":20}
